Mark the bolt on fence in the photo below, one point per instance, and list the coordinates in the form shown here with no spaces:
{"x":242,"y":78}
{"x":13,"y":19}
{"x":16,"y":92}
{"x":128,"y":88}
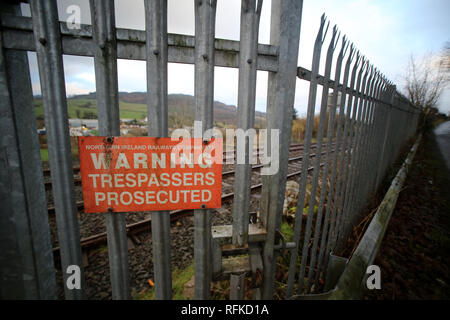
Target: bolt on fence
{"x":361,"y":132}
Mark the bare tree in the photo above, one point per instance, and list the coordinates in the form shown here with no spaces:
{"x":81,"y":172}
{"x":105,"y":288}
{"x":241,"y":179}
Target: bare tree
{"x":426,"y":79}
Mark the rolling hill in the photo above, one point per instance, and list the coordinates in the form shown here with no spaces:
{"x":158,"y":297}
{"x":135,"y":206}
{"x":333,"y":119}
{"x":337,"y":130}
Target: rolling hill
{"x":133,"y":106}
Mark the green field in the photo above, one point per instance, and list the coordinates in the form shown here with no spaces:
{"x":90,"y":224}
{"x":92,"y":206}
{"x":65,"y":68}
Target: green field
{"x":44,"y":155}
{"x":78,"y":108}
{"x":133,"y":106}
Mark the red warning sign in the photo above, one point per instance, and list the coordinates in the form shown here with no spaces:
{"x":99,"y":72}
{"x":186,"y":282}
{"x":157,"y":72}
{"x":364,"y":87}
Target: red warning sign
{"x":125,"y":174}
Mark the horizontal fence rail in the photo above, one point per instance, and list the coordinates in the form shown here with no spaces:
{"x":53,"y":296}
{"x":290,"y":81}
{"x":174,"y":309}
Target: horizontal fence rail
{"x":363,"y":122}
{"x":18,"y":34}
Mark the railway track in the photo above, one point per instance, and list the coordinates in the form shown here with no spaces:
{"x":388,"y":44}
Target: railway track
{"x":145,"y":224}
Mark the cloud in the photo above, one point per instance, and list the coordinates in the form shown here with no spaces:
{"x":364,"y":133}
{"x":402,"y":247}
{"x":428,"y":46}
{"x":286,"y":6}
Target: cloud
{"x":132,"y":75}
{"x":73,"y":88}
{"x":386,"y":32}
{"x":86,"y":77}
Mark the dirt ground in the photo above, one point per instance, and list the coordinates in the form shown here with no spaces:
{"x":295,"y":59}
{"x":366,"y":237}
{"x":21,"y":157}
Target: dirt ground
{"x":415,"y":254}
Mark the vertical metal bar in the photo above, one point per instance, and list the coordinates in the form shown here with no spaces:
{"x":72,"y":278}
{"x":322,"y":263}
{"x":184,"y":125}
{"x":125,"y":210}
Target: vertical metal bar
{"x":395,"y":146}
{"x":361,"y":135}
{"x":250,"y":14}
{"x":316,"y":172}
{"x":216,"y":249}
{"x":386,"y":99}
{"x":372,"y":141}
{"x":26,"y":260}
{"x":390,"y":123}
{"x":398,"y":136}
{"x":372,"y":153}
{"x":359,"y":169}
{"x":380,"y":170}
{"x":256,"y":265}
{"x":356,"y":194}
{"x":343,"y":158}
{"x":397,"y":132}
{"x":205,"y":15}
{"x":391,"y":141}
{"x":340,"y":149}
{"x":393,"y":128}
{"x":345,"y":222}
{"x":157,"y":100}
{"x":382,"y":127}
{"x":105,"y":61}
{"x":386,"y":124}
{"x":306,"y":154}
{"x":374,"y":120}
{"x":410,"y":118}
{"x":284,"y":33}
{"x":48,"y":49}
{"x":237,"y":286}
{"x":404,"y":115}
{"x":349,"y":156}
{"x":330,"y":135}
{"x":361,"y":173}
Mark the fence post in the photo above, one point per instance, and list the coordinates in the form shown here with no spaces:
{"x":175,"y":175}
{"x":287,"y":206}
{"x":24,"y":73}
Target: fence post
{"x":250,"y":14}
{"x":26,"y":260}
{"x":205,"y":17}
{"x":248,"y":54}
{"x":105,"y":60}
{"x":49,"y":54}
{"x":284,"y":33}
{"x":156,"y":48}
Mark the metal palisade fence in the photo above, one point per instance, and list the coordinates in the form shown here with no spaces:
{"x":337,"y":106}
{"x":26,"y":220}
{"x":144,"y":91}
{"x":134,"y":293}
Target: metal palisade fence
{"x":367,"y":123}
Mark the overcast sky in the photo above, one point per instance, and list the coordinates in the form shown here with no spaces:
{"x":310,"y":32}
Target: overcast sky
{"x":387,"y":32}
